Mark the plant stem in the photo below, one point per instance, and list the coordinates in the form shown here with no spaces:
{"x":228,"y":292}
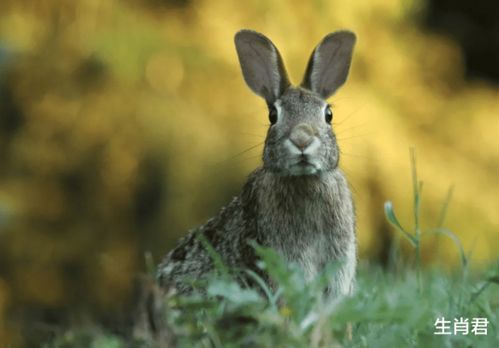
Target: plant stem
{"x":417,"y":187}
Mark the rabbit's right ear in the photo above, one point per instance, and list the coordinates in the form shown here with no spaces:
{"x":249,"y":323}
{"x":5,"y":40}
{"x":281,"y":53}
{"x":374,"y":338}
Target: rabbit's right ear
{"x":262,"y":65}
{"x":328,"y":66}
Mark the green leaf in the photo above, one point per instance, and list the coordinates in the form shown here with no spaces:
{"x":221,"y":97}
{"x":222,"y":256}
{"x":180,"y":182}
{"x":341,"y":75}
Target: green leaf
{"x":266,"y":289}
{"x":233,"y":292}
{"x":445,"y":207}
{"x":390,"y":216}
{"x":455,"y":239}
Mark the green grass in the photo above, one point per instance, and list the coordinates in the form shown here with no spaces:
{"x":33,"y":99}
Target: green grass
{"x":388,"y":309}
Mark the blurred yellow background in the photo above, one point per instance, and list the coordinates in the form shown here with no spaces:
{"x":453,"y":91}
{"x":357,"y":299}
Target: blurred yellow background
{"x":124,"y":123}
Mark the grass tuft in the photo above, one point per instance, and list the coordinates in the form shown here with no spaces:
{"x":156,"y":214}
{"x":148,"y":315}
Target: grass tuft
{"x":388,"y":309}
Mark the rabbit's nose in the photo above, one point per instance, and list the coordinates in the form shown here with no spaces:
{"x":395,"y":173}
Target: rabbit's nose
{"x":302,"y":136}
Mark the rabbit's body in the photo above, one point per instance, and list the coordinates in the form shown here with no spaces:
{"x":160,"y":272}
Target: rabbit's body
{"x":310,"y":222}
{"x":298,"y":202}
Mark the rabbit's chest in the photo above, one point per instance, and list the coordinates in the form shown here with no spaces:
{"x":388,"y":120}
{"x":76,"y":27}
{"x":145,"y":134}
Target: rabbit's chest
{"x":308,"y":221}
{"x":306,"y":240}
{"x":311,"y":257}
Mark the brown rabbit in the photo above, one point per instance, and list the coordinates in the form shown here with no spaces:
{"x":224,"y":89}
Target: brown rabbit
{"x":298,"y":202}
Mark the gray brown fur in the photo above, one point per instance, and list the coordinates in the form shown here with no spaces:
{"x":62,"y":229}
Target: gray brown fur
{"x":298,"y":202}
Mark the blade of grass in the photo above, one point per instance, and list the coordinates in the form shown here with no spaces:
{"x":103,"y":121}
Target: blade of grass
{"x":455,"y":239}
{"x":263,"y":285}
{"x":392,"y":218}
{"x":217,"y":259}
{"x":415,"y":188}
{"x":445,"y":206}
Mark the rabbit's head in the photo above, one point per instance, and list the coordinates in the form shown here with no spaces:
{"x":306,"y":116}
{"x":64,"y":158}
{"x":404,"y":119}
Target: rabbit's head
{"x":300,"y":140}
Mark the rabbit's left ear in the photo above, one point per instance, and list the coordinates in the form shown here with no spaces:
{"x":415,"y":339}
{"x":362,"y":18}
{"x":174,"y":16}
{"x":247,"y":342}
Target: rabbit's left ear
{"x":329,"y":64}
{"x":261,"y":64}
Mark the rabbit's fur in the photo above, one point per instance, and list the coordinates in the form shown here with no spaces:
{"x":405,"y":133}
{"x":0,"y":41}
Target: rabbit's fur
{"x":298,"y":202}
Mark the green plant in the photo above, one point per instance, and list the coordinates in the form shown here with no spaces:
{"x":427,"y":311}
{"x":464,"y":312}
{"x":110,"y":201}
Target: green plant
{"x":386,"y":310}
{"x":414,"y":235}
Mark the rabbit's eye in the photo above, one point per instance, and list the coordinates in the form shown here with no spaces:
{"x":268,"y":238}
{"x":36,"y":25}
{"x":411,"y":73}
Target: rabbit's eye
{"x":272,"y":114}
{"x":328,"y":115}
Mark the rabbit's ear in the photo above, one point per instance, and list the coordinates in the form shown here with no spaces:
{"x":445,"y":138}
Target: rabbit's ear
{"x":328,"y":66}
{"x":262,"y":65}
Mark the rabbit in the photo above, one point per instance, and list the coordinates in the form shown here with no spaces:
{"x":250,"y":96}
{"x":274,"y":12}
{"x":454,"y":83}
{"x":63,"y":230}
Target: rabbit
{"x":298,"y":202}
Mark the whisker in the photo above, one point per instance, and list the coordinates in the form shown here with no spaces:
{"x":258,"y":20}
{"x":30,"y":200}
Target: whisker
{"x":339,"y":99}
{"x":350,"y":115}
{"x":345,"y":119}
{"x":342,"y":130}
{"x":251,"y":134}
{"x":353,"y":155}
{"x":233,"y":162}
{"x":356,"y":136}
{"x":245,"y":158}
{"x":352,"y":186}
{"x":231,"y":158}
{"x":251,"y":157}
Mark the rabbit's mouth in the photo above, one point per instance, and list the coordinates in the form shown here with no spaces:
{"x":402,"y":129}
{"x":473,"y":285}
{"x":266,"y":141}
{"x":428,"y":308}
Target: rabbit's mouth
{"x":303,"y":166}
